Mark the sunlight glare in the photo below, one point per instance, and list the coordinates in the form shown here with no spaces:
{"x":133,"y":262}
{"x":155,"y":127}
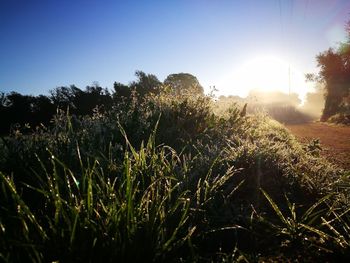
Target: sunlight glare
{"x":266,"y":73}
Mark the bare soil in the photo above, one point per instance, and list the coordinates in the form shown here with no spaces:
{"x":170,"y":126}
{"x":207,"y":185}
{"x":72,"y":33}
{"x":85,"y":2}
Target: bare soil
{"x":335,"y":140}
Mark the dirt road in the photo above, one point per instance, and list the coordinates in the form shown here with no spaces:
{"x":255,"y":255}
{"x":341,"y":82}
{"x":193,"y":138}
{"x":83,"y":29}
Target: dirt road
{"x":335,"y":140}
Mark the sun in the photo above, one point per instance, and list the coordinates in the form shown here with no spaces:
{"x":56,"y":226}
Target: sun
{"x":266,"y":73}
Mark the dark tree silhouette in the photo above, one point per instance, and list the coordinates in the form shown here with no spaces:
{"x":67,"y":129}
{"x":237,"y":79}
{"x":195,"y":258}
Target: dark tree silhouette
{"x":93,"y":96}
{"x":121,"y":91}
{"x":143,"y":85}
{"x":146,"y":83}
{"x":16,"y":108}
{"x":19,"y":108}
{"x":81,"y":102}
{"x":63,"y":97}
{"x":43,"y":110}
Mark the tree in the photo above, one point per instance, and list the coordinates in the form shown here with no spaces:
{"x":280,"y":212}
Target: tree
{"x":184,"y":82}
{"x":121,"y":91}
{"x":81,"y":102}
{"x":146,"y":83}
{"x":2,"y":100}
{"x":90,"y":98}
{"x":63,"y":97}
{"x":43,"y":110}
{"x":334,"y":74}
{"x":19,"y":107}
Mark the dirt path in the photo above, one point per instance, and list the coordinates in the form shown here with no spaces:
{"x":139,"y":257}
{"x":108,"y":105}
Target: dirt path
{"x":335,"y":140}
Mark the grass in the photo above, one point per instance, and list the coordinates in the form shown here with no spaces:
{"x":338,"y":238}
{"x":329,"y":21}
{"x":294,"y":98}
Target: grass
{"x":164,"y":179}
{"x":94,"y":210}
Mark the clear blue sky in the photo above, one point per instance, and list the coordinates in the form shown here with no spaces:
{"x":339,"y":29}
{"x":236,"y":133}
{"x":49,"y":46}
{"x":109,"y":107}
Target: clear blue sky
{"x":45,"y":44}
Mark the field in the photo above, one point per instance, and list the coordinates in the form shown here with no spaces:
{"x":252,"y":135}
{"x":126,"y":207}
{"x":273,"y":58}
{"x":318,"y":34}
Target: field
{"x":334,"y":140}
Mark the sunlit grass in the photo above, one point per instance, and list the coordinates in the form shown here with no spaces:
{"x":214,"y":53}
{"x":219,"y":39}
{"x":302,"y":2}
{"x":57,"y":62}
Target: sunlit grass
{"x":164,"y":180}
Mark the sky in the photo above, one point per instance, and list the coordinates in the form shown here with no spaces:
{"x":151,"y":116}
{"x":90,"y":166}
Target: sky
{"x":230,"y":44}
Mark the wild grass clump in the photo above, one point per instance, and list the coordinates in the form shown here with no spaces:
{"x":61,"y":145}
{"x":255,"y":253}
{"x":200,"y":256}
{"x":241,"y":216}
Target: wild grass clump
{"x":148,"y":203}
{"x":162,"y":178}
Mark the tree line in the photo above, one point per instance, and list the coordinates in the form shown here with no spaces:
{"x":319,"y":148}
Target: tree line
{"x":31,"y":111}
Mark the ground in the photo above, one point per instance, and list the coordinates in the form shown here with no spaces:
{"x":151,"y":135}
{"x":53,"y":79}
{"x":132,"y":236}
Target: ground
{"x":335,"y":140}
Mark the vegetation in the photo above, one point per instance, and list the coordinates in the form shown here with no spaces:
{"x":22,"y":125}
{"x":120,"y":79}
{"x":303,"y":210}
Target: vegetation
{"x":161,"y":169}
{"x":158,"y":177}
{"x":19,"y":110}
{"x":183,"y":82}
{"x":334,"y":74}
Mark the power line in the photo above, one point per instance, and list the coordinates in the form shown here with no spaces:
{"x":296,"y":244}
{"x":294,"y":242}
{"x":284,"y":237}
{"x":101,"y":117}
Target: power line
{"x":280,"y":7}
{"x":290,"y":26}
{"x":306,"y":8}
{"x":291,"y":14}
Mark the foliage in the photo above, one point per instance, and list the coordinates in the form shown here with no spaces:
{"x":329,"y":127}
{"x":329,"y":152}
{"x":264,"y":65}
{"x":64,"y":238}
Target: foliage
{"x":18,"y":110}
{"x":163,"y":175}
{"x":21,"y":109}
{"x":78,"y":101}
{"x":143,"y":203}
{"x":184,"y":83}
{"x":334,"y":73}
{"x":146,"y":83}
{"x":162,"y":170}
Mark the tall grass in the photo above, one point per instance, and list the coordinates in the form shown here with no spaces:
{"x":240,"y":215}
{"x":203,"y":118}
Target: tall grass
{"x":164,"y":179}
{"x":146,"y":204}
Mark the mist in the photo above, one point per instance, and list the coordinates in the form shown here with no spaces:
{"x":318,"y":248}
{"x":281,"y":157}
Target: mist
{"x":314,"y":104}
{"x":285,"y":108}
